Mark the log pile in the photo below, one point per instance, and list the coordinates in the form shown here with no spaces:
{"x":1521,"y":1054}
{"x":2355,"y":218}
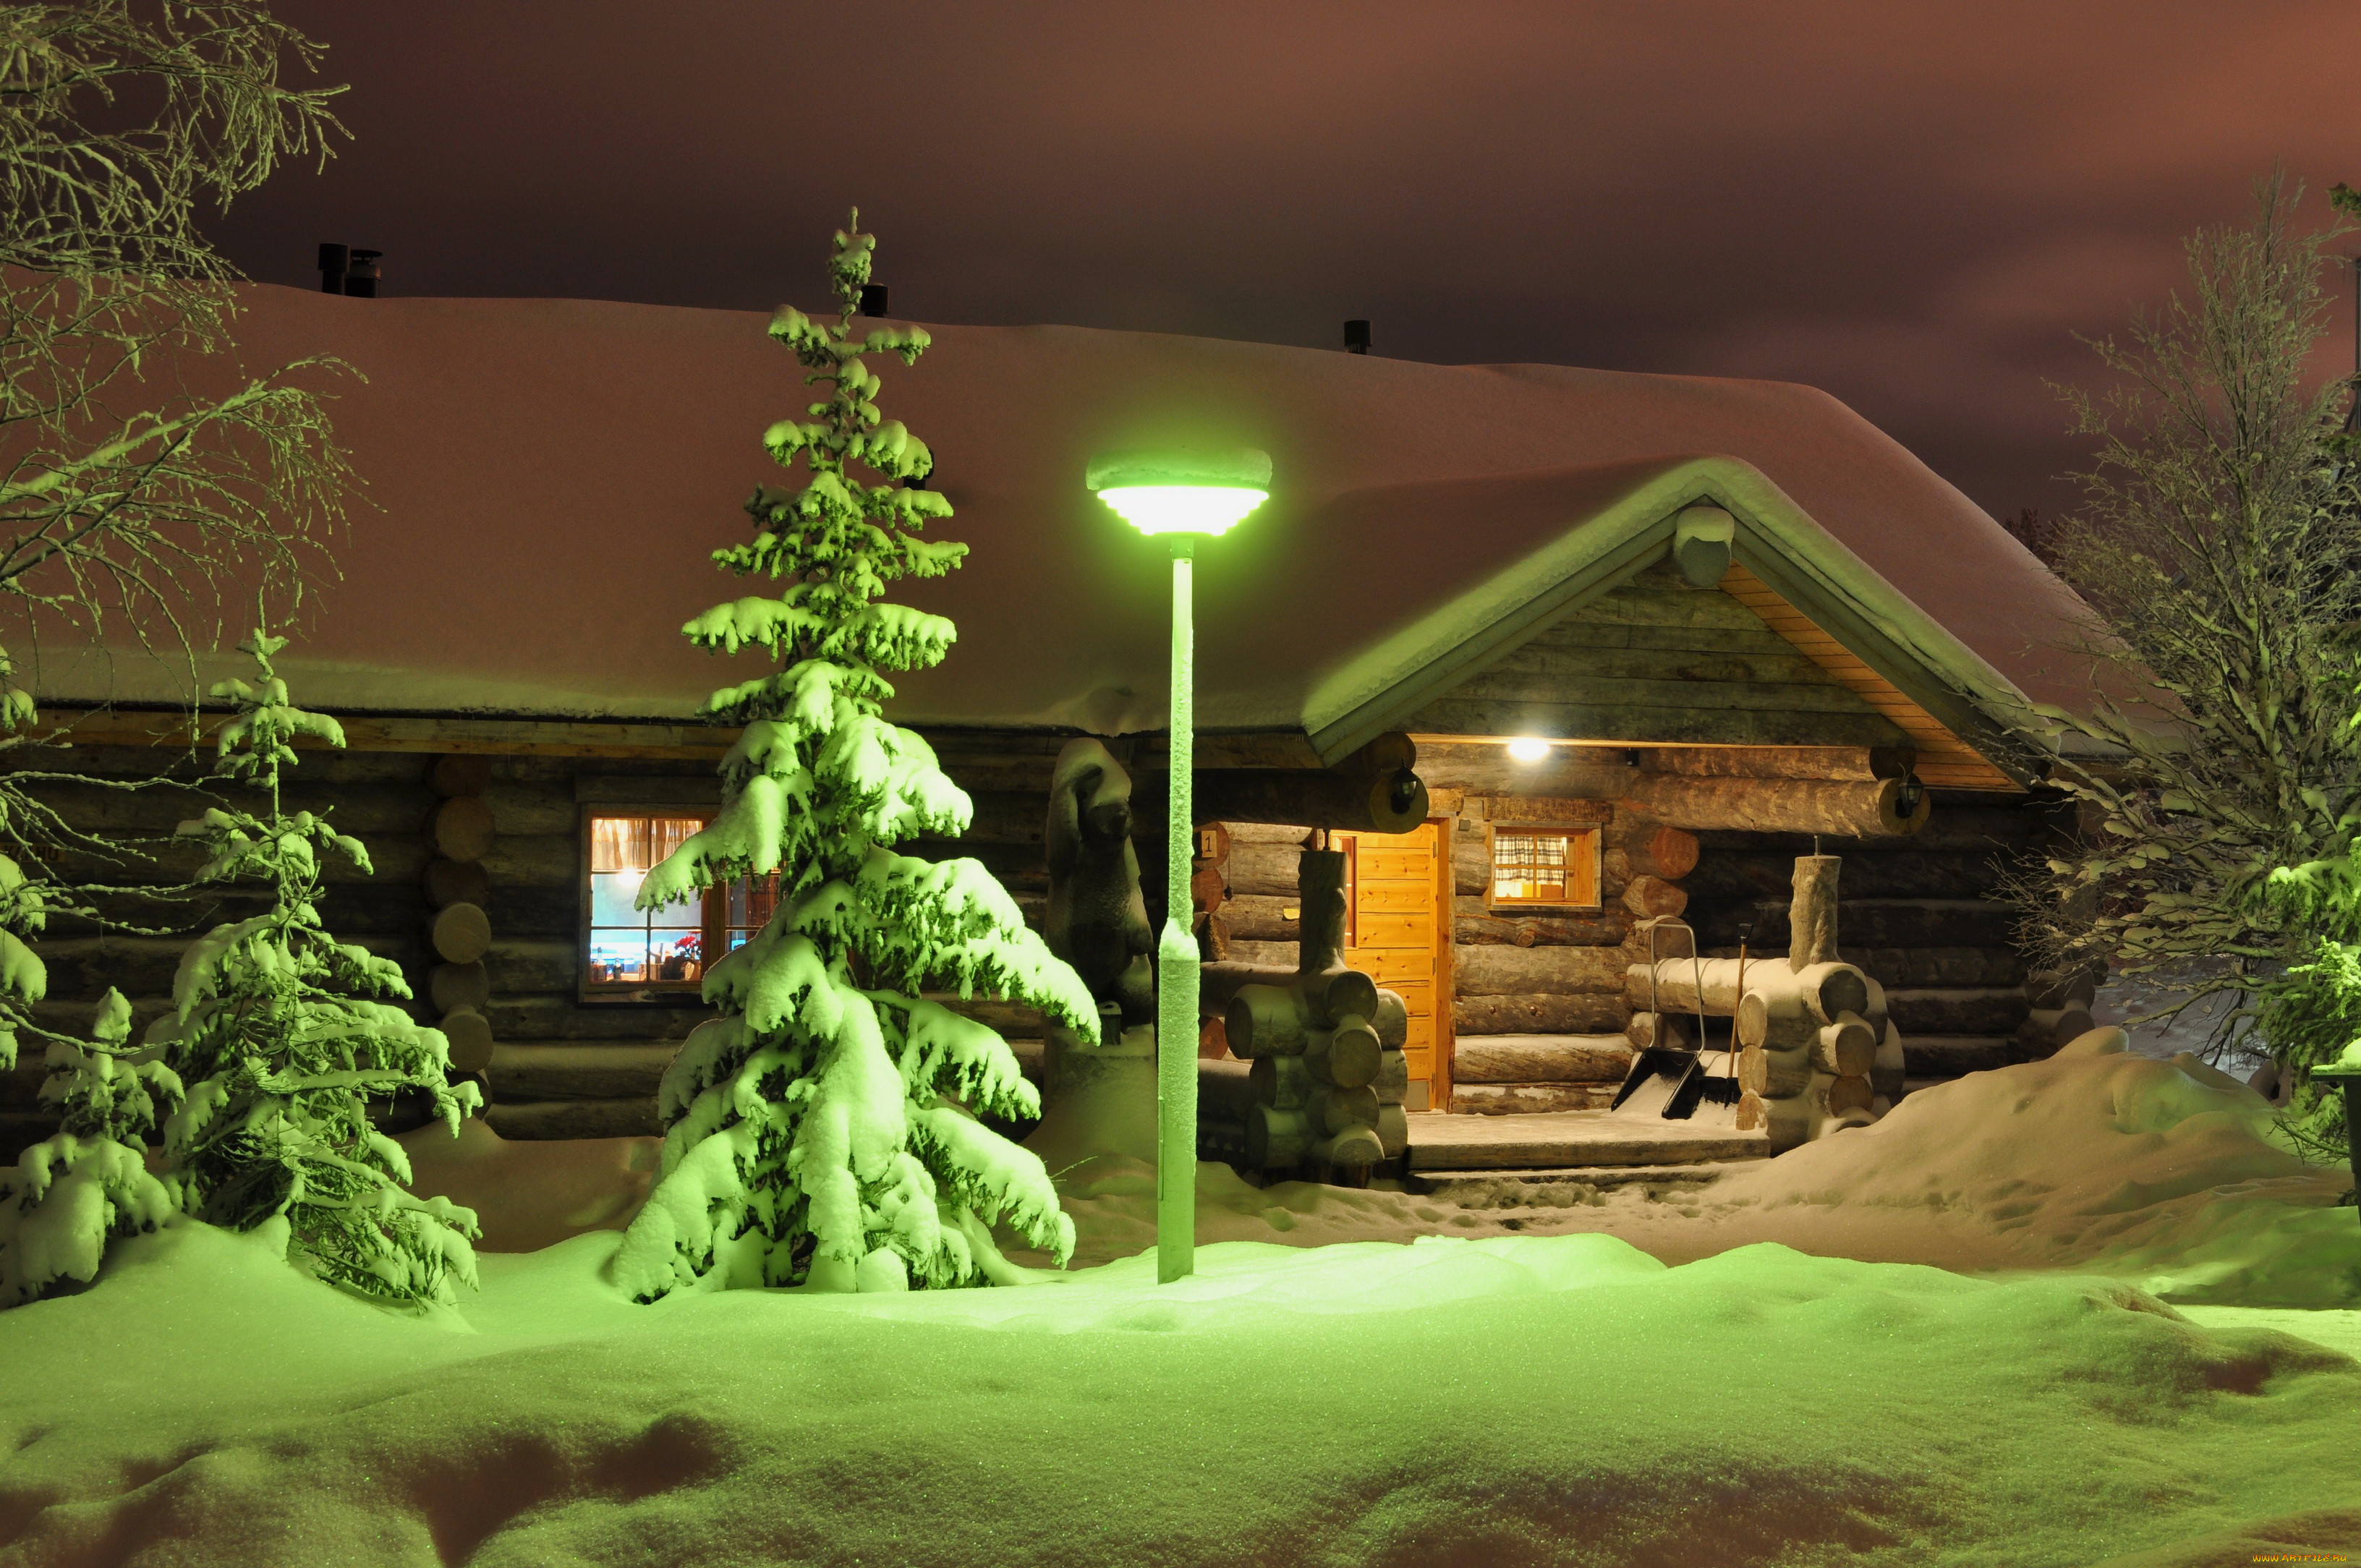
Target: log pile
{"x":1818,"y":1050}
{"x":1325,"y":1076}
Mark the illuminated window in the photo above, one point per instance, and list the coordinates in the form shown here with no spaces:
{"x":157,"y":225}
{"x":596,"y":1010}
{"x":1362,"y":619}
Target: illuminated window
{"x":1555,"y":867}
{"x":632,"y":952}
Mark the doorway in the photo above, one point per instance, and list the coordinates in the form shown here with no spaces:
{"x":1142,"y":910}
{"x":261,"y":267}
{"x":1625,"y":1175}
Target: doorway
{"x":1397,"y":931}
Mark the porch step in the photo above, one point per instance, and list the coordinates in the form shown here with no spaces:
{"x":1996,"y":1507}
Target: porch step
{"x":1570,"y":1139}
{"x":1498,"y":1099}
{"x":1561,"y":1188}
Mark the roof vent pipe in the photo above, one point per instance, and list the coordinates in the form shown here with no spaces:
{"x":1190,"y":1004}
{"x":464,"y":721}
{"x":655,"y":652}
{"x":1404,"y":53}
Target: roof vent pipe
{"x":333,"y":259}
{"x":361,"y":274}
{"x":1357,"y":337}
{"x":872,"y":299}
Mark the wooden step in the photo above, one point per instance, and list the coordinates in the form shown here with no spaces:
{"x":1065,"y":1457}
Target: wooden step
{"x":1563,"y":1139}
{"x":1564,"y":1186}
{"x":1504,"y":1099}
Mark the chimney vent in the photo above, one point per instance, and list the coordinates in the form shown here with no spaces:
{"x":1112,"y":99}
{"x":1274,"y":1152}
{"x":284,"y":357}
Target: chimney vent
{"x":872,"y":299}
{"x":1357,"y":337}
{"x":333,"y":259}
{"x":361,"y":275}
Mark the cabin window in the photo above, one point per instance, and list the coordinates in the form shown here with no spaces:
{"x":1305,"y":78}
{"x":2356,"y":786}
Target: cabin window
{"x":635,"y":954}
{"x":1545,"y":867}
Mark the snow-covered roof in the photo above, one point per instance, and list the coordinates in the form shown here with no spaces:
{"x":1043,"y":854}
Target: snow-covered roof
{"x":547,"y":477}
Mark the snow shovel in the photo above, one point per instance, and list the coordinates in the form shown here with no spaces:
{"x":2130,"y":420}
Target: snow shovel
{"x":1665,"y":1080}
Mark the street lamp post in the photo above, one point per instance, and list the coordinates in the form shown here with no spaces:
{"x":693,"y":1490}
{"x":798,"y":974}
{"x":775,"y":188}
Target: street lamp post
{"x":1185,"y":495}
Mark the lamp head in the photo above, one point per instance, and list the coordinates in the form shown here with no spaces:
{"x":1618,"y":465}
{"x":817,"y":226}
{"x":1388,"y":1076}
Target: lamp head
{"x":1180,"y":491}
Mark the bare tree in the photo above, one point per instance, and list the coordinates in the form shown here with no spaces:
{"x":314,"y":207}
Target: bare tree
{"x":2216,"y":547}
{"x":138,"y":466}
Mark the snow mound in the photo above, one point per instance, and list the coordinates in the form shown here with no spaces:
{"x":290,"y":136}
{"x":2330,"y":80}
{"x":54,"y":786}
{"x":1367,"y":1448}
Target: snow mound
{"x":1537,"y":1400}
{"x":2163,"y":1172}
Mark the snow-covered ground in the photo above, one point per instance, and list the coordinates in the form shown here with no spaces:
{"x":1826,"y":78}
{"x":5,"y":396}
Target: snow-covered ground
{"x":1483,"y":1394}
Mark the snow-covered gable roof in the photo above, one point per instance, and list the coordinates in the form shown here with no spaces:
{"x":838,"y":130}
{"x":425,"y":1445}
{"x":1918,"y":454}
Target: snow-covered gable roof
{"x":547,"y":478}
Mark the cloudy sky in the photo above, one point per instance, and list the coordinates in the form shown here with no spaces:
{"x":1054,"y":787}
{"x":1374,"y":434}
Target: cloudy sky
{"x":1913,"y":206}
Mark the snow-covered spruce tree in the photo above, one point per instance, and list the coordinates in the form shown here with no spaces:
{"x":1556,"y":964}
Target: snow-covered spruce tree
{"x":275,"y":1034}
{"x":816,"y":1132}
{"x":71,"y":1194}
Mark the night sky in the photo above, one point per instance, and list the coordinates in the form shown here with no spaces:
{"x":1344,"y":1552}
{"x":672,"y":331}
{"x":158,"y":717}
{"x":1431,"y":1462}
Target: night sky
{"x":1911,"y":205}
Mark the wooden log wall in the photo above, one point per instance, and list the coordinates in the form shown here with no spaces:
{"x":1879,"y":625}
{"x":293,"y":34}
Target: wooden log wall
{"x":476,"y":895}
{"x":1919,"y":914}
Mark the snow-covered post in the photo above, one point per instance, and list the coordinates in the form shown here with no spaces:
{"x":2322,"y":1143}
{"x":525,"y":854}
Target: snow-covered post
{"x":1182,"y":495}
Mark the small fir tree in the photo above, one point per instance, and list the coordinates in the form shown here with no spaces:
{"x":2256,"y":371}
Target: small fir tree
{"x":70,"y":1194}
{"x":818,"y":1132}
{"x":275,"y":1034}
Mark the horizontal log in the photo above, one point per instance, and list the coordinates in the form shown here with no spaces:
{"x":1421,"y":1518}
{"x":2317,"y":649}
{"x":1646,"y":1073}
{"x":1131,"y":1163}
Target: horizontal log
{"x":574,"y":1119}
{"x":1505,"y":970}
{"x":1475,"y":925}
{"x":1735,"y":877}
{"x":1827,"y":989}
{"x":1225,"y":1090}
{"x":1393,"y":1077}
{"x":1507,"y":1098}
{"x":1540,"y":1058}
{"x":532,"y":964}
{"x":447,"y":883}
{"x":1592,"y":1012}
{"x":519,"y":1018}
{"x":1788,"y":761}
{"x":459,"y":772}
{"x":1937,"y":1056}
{"x":577,"y":1072}
{"x":699,"y":788}
{"x":1312,"y":797}
{"x":1268,"y":868}
{"x":1844,"y":807}
{"x":518,"y":860}
{"x":1919,"y":968}
{"x":1265,"y":917}
{"x":1673,"y":723}
{"x":1963,"y":1012}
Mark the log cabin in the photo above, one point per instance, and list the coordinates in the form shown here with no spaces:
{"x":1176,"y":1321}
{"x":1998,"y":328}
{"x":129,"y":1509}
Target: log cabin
{"x":1641,"y":640}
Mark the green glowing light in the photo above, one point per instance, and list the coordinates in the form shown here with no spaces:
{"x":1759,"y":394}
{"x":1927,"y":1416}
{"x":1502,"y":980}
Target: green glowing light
{"x":1183,"y":508}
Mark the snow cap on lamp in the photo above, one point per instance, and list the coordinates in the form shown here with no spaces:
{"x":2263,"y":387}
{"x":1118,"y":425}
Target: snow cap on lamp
{"x":1180,"y":490}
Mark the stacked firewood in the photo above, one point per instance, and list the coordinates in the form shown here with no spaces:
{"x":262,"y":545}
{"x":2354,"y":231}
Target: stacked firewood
{"x":1816,"y":1051}
{"x":1327,"y":1073}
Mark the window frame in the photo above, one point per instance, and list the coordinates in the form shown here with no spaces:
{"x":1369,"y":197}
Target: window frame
{"x":710,"y":915}
{"x":1586,"y":840}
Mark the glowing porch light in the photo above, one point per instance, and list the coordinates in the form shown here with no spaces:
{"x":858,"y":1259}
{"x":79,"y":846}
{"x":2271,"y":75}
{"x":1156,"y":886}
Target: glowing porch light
{"x":1529,"y":749}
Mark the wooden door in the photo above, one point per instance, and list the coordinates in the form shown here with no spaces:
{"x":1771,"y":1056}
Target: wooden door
{"x":1396,"y":933}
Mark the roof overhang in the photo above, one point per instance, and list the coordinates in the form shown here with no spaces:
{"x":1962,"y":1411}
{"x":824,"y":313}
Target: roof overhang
{"x":1776,"y":540}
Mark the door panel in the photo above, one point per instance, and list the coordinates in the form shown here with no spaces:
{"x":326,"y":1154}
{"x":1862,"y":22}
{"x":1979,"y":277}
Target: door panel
{"x":1405,"y":931}
{"x":1393,"y":935}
